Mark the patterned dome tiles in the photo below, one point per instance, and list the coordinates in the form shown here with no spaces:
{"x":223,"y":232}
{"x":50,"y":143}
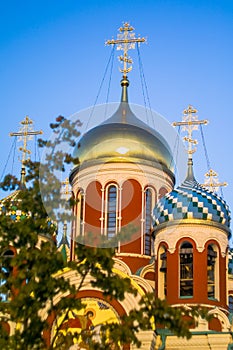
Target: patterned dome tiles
{"x":12,"y":209}
{"x":192,"y":202}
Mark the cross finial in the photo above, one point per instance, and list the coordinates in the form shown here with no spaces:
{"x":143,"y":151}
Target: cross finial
{"x":125,"y":41}
{"x":190,"y":123}
{"x":25,"y":134}
{"x":66,"y":192}
{"x":212,"y":181}
{"x":66,"y":188}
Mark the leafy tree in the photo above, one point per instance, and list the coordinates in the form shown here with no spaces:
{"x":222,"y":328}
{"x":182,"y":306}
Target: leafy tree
{"x":31,"y":264}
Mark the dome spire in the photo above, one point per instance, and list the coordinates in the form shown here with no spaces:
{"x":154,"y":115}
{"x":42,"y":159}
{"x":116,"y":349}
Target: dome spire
{"x":24,"y":134}
{"x":190,"y":174}
{"x":125,"y":41}
{"x":63,"y":245}
{"x":124,"y":93}
{"x":190,"y":123}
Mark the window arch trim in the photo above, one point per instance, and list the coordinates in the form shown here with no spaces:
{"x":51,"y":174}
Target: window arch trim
{"x":111,"y":209}
{"x":213,"y":278}
{"x":148,"y":205}
{"x":186,"y":280}
{"x":162,"y":270}
{"x":80,"y":212}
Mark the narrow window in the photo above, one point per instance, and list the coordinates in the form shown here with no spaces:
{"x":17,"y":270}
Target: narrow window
{"x":80,"y":213}
{"x":162,"y":272}
{"x":111,"y":211}
{"x":186,"y":270}
{"x":211,"y":271}
{"x":148,"y":222}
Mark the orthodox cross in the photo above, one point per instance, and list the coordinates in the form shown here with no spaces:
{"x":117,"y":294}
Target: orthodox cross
{"x":211,"y":181}
{"x":125,"y":41}
{"x":66,"y":186}
{"x":25,"y":134}
{"x":190,"y":123}
{"x":66,"y":192}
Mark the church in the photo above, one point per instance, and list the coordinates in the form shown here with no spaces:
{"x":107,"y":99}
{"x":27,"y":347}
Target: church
{"x":179,"y":248}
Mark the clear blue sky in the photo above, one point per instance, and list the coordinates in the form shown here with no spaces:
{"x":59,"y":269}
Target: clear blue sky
{"x":52,"y":61}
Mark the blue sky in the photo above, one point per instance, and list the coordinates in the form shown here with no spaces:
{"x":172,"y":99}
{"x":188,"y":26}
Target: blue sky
{"x":53,"y":57}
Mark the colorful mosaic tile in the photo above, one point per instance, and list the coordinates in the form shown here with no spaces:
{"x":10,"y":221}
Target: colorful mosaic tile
{"x":191,"y":201}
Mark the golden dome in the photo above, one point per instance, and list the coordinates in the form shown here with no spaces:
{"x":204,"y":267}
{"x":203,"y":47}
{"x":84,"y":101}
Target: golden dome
{"x":124,"y":138}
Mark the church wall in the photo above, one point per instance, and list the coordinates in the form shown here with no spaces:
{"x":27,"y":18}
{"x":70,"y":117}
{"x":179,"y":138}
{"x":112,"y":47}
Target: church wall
{"x":93,"y":207}
{"x":172,"y":278}
{"x":131,"y":214}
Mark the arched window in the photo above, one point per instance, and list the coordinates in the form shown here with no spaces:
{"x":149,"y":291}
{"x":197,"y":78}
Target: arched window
{"x":211,"y":271}
{"x":111,"y":212}
{"x":148,"y":221}
{"x":80,"y":214}
{"x":186,"y":270}
{"x":162,"y":273}
{"x":6,"y":270}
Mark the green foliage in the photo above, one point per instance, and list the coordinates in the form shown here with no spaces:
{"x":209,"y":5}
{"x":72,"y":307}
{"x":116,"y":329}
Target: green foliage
{"x":33,"y":275}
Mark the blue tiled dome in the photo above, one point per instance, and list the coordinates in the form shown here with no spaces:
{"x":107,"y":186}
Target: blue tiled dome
{"x":191,"y":201}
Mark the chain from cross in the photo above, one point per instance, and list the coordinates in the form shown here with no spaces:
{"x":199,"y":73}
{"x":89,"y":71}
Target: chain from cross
{"x":125,"y":41}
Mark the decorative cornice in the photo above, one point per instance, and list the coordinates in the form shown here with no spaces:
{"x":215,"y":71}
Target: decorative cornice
{"x":209,"y":223}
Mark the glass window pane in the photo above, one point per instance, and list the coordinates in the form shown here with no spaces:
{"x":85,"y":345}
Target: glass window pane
{"x":148,"y":222}
{"x":111,"y":210}
{"x":186,"y":269}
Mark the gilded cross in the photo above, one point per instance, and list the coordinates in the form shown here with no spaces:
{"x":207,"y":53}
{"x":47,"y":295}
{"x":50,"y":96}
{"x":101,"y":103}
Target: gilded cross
{"x":25,"y":134}
{"x":125,"y":41}
{"x":190,"y":123}
{"x":212,"y":181}
{"x":66,"y":191}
